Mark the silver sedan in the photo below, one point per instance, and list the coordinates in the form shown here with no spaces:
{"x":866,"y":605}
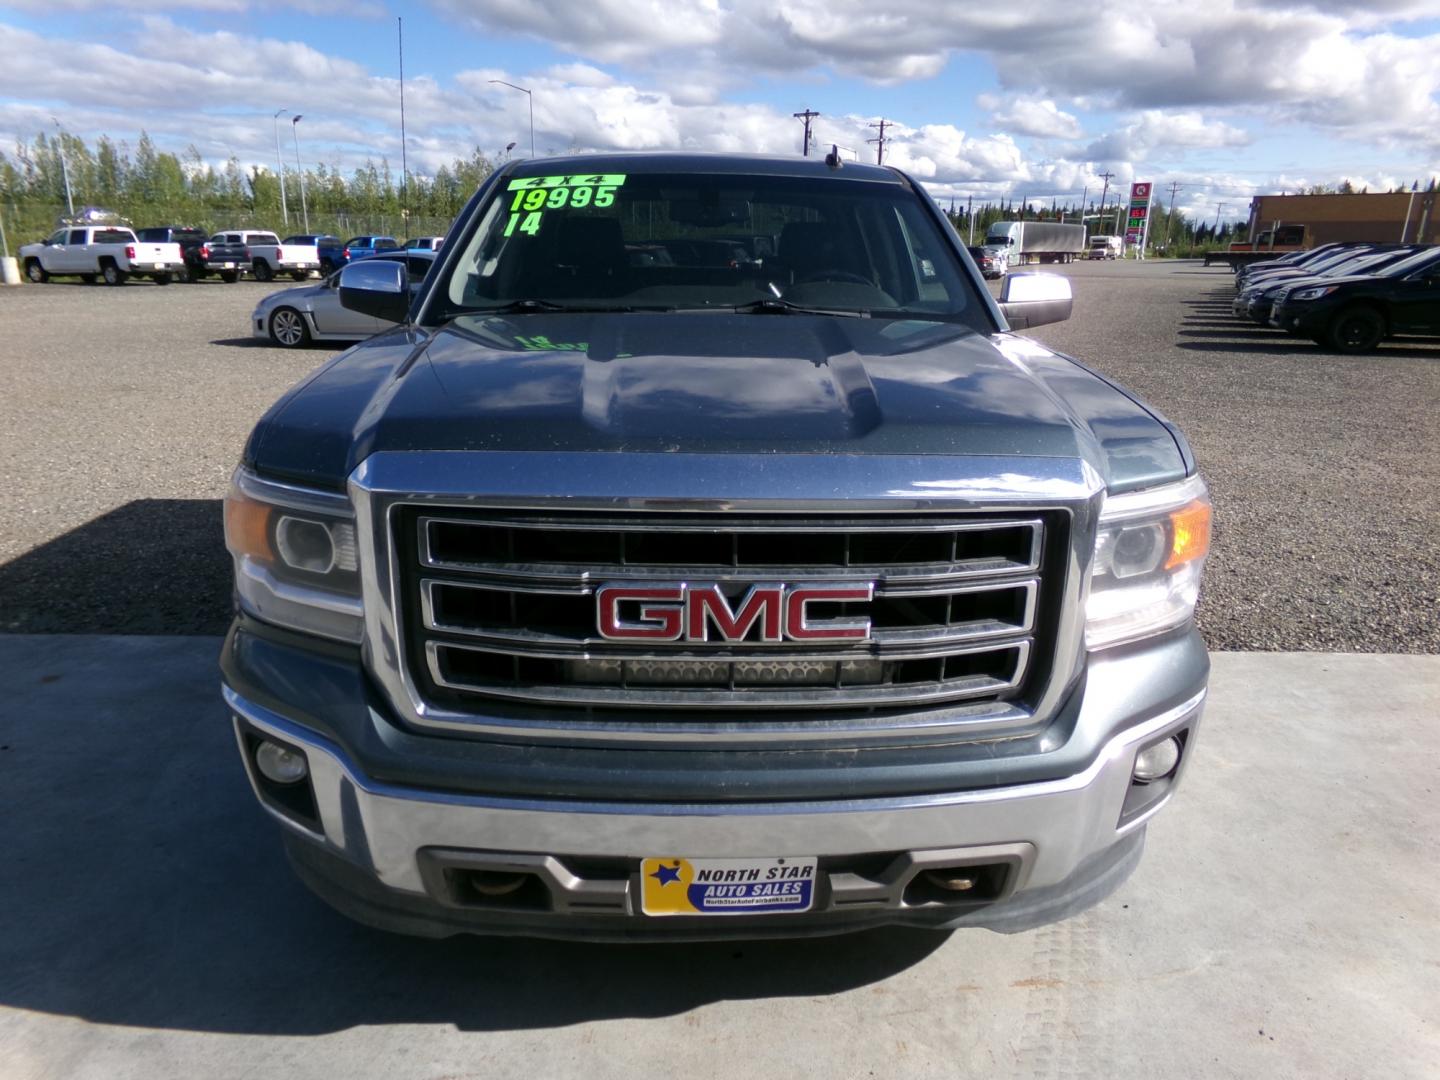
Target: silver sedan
{"x":295,"y":317}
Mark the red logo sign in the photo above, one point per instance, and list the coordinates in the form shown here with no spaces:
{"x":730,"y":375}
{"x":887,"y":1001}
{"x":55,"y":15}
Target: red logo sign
{"x":769,"y":614}
{"x":1139,"y":191}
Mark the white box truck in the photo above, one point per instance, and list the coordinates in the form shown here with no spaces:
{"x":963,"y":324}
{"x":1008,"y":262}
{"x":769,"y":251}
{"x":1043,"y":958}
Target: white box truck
{"x":1038,"y":241}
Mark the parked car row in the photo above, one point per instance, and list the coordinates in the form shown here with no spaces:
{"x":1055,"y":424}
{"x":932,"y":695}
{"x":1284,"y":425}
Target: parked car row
{"x":165,"y":253}
{"x":1348,"y":297}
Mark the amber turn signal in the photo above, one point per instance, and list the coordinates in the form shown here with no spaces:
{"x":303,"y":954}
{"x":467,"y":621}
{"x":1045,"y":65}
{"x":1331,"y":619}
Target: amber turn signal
{"x":247,"y":528}
{"x":1190,"y":527}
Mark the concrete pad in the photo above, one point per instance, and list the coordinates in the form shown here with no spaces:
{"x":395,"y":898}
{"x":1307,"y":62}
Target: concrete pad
{"x":1282,"y":924}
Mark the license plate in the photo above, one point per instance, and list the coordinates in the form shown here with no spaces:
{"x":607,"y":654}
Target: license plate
{"x":676,"y":886}
{"x":158,"y":266}
{"x":228,"y":266}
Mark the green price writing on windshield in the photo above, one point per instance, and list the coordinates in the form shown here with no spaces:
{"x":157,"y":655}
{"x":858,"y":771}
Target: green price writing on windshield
{"x":536,"y":194}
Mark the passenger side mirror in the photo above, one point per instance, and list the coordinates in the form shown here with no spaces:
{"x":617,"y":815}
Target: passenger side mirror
{"x":380,"y":288}
{"x":1030,"y":300}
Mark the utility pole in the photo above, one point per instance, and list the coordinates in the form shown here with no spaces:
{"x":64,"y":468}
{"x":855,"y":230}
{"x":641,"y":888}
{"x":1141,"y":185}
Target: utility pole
{"x":280,"y":166}
{"x":880,"y":142}
{"x":1218,"y":208}
{"x":404,"y":166}
{"x":1107,"y":177}
{"x":1170,"y":217}
{"x":65,"y":171}
{"x":970,"y":216}
{"x":300,"y":169}
{"x":806,"y":116}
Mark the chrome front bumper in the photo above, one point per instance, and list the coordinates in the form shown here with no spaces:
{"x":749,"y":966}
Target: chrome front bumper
{"x":368,"y":853}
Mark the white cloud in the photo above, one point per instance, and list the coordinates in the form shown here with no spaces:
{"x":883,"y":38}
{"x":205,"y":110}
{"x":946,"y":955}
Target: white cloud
{"x":1039,"y":117}
{"x":1158,"y":129}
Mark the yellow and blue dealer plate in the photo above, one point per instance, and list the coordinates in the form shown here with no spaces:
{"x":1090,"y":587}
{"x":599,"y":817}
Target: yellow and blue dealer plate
{"x":676,"y":886}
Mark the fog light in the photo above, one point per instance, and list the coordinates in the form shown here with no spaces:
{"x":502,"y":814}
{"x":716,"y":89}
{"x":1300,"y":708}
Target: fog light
{"x":280,"y":764}
{"x":1158,"y":761}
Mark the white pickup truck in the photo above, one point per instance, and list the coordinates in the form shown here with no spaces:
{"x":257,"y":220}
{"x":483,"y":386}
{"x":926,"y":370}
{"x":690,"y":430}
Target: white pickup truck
{"x":241,"y":251}
{"x":108,"y":252}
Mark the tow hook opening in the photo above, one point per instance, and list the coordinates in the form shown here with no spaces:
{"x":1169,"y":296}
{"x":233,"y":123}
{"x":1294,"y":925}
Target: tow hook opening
{"x":978,"y":883}
{"x":502,"y":889}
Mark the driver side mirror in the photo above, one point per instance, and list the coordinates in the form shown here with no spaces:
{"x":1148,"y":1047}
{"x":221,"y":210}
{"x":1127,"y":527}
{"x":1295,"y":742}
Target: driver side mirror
{"x":380,"y":288}
{"x":1030,"y":300}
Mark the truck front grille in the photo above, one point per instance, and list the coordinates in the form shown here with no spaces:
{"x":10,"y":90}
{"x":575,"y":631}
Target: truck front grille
{"x":502,"y":605}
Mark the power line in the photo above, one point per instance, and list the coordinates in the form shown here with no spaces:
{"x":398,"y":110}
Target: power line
{"x":806,"y":116}
{"x":880,"y":142}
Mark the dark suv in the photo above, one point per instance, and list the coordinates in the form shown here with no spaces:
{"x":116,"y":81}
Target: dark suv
{"x":188,"y":237}
{"x":1354,"y":314}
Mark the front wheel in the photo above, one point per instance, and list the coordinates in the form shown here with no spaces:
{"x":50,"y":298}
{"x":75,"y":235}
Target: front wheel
{"x":288,"y":329}
{"x":299,"y":275}
{"x":112,"y":274}
{"x":88,"y":279}
{"x":163,"y":279}
{"x":229,"y":276}
{"x":263,"y":271}
{"x":35,"y":272}
{"x":1358,"y":330}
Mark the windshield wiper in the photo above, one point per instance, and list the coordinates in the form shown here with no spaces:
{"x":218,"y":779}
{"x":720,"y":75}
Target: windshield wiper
{"x":520,"y":306}
{"x":774,"y":306}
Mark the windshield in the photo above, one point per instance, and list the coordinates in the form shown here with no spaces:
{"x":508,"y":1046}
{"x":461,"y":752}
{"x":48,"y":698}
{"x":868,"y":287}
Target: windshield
{"x":672,"y":241}
{"x":1419,"y":261}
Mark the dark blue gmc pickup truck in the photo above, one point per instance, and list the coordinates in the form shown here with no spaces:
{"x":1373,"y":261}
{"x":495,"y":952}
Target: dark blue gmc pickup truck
{"x":703,"y":556}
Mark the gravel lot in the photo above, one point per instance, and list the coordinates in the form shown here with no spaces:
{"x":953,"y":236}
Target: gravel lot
{"x":125,"y":410}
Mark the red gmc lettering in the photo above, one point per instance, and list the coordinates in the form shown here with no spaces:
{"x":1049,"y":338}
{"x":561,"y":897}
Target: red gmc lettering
{"x":708,"y":603}
{"x":658,"y":622}
{"x":797,"y":623}
{"x":704,"y":613}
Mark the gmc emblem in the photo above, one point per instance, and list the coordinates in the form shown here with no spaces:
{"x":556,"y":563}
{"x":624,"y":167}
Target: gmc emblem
{"x":681,"y":612}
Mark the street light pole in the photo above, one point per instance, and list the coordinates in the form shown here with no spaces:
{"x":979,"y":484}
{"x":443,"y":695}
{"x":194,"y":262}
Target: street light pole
{"x":280,"y":165}
{"x":295,"y":131}
{"x":64,"y":169}
{"x":531,"y":98}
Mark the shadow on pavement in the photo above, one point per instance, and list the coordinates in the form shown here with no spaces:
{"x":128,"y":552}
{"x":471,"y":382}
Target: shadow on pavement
{"x":152,"y":566}
{"x":1277,"y":345}
{"x":144,"y":887}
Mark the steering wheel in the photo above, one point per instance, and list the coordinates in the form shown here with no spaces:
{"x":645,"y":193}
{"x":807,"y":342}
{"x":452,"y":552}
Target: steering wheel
{"x":834,"y":275}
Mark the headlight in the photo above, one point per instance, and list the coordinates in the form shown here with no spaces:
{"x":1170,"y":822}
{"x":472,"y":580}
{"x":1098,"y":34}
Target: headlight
{"x":295,"y":556}
{"x":1313,"y":293}
{"x":1149,"y":554}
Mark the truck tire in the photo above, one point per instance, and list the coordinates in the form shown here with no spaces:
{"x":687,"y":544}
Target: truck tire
{"x":112,"y":274}
{"x":229,"y":276}
{"x":263,"y":271}
{"x":88,"y":279}
{"x":1355,"y":330}
{"x":184,"y":276}
{"x":35,"y":272}
{"x":163,"y":279}
{"x":288,"y":329}
{"x":299,"y":275}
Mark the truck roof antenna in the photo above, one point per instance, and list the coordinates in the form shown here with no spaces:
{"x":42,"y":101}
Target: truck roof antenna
{"x":833,"y":157}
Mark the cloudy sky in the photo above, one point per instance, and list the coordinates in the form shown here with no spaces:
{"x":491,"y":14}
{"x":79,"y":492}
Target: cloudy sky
{"x":1228,"y":98}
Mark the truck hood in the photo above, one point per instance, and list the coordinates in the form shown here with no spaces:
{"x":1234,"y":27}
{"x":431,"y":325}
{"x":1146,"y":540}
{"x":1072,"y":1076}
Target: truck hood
{"x":710,"y":383}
